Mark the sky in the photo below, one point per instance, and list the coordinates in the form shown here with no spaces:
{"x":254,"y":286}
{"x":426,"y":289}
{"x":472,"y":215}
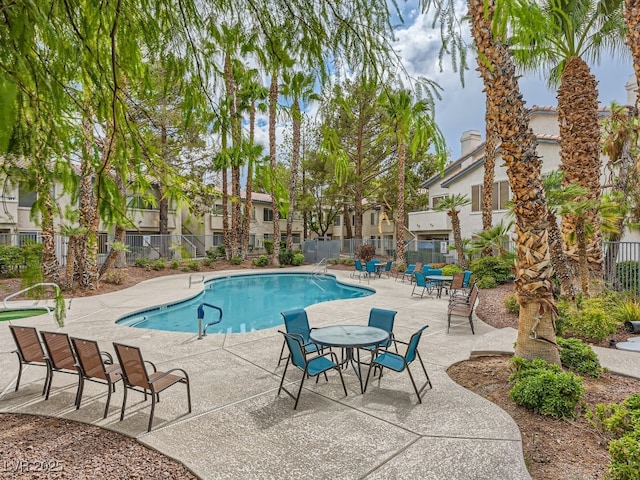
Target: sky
{"x":461,"y":108}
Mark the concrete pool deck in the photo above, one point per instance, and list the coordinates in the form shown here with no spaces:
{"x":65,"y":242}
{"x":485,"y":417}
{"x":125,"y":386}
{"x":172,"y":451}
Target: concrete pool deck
{"x":241,"y":428}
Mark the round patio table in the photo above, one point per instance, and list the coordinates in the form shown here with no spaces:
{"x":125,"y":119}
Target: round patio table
{"x":350,"y":337}
{"x":439,"y":281}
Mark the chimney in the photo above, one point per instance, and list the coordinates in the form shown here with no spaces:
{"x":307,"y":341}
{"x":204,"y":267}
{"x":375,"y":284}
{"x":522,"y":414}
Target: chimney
{"x":631,"y":88}
{"x":469,"y":141}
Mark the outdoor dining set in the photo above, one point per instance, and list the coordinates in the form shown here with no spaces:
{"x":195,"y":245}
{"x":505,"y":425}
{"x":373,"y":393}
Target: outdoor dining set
{"x":311,"y":350}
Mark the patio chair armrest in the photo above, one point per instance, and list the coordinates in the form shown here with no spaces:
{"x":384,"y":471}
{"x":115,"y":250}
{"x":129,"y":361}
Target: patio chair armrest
{"x":169,"y":372}
{"x":153,"y":365}
{"x":108,"y":357}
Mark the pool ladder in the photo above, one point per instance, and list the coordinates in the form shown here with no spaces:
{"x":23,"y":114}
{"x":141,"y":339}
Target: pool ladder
{"x":24,"y":290}
{"x":202,"y":330}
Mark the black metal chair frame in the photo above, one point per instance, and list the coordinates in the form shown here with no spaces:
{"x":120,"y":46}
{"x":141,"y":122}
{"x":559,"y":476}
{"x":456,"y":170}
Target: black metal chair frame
{"x":375,"y":364}
{"x":300,"y":341}
{"x":22,"y":361}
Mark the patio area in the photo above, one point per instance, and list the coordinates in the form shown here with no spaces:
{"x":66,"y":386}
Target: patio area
{"x":240,"y":428}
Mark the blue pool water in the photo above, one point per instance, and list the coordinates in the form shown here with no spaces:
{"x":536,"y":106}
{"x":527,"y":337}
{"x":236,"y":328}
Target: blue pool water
{"x":249,"y":302}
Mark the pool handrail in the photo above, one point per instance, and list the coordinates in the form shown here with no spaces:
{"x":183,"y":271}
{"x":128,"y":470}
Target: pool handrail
{"x":190,"y":277}
{"x":202,"y":331}
{"x":4,"y":302}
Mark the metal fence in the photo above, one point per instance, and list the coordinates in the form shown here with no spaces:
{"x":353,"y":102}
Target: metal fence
{"x":622,"y":266}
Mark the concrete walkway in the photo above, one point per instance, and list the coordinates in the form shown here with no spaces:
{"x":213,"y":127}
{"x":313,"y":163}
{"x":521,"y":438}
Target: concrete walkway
{"x":240,"y":428}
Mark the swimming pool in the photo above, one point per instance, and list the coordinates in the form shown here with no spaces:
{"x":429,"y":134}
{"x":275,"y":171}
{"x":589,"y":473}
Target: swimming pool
{"x":249,"y":302}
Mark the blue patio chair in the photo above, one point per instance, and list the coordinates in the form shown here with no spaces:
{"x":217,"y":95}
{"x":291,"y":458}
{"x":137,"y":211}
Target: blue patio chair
{"x":387,"y":269}
{"x":311,"y":367}
{"x":371,"y":269}
{"x":382,"y":319}
{"x":467,"y":278}
{"x":297,"y":322}
{"x":422,"y":282}
{"x":398,"y":363}
{"x":425,"y":268}
{"x":359,"y":269}
{"x":407,"y":273}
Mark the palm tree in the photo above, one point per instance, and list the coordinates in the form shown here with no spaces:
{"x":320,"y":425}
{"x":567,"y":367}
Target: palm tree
{"x":490,"y":153}
{"x":452,"y":205}
{"x":561,"y":36}
{"x":252,"y":95}
{"x":299,"y":88}
{"x":559,"y":197}
{"x":632,"y":19}
{"x":536,"y":332}
{"x":413,"y":127}
{"x":493,"y":239}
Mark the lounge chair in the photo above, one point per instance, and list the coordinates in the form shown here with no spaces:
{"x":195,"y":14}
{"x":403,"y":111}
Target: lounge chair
{"x":462,"y":307}
{"x":297,"y":322}
{"x":136,"y":377}
{"x":30,"y":352}
{"x":61,"y":357}
{"x":311,"y":367}
{"x":96,"y":366}
{"x":398,"y":363}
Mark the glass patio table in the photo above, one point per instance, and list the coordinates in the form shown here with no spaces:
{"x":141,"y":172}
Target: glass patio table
{"x":350,"y":337}
{"x":439,"y":281}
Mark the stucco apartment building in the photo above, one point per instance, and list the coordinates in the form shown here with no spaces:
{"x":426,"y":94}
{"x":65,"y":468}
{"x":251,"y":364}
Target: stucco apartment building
{"x":466,"y":176}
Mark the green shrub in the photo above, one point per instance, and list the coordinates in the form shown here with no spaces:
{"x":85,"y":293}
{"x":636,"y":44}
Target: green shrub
{"x":235,"y":260}
{"x":511,"y":303}
{"x":622,"y":422}
{"x":545,"y":390}
{"x":207,"y":262}
{"x":579,"y":357}
{"x":451,"y":269}
{"x":115,"y":276}
{"x":487,"y":282}
{"x":626,"y":310}
{"x":298,"y":259}
{"x":268,"y":246}
{"x":525,"y":368}
{"x":285,"y":257}
{"x":216,"y":252}
{"x":261,"y":261}
{"x":143,"y":262}
{"x":194,"y":265}
{"x":15,"y":260}
{"x":625,"y":457}
{"x":401,"y":268}
{"x":175,"y":264}
{"x":159,"y":264}
{"x":591,"y":319}
{"x":617,"y":419}
{"x":500,"y":268}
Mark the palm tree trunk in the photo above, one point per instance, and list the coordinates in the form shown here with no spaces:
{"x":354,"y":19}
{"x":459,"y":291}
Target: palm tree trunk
{"x":558,"y":260}
{"x":402,"y":147}
{"x":536,"y":332}
{"x":490,"y":151}
{"x":295,"y":162}
{"x":580,"y":157}
{"x":457,"y":238}
{"x":273,"y":101}
{"x":115,"y":256}
{"x":50,"y":265}
{"x":248,"y":202}
{"x":632,"y":19}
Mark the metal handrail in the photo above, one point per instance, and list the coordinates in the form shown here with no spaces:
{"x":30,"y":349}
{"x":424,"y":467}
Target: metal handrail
{"x":24,"y":290}
{"x":190,"y":277}
{"x":320,"y":267}
{"x":202,"y":332}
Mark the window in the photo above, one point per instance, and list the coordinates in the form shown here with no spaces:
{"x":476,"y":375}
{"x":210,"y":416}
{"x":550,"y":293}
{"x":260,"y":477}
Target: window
{"x":373,"y":218}
{"x":353,"y":220}
{"x":436,"y":200}
{"x":336,"y":221}
{"x":268,"y":236}
{"x":217,"y":209}
{"x":500,"y":196}
{"x":252,"y":240}
{"x":26,"y":197}
{"x":267,"y":215}
{"x":295,"y":238}
{"x":138,"y":202}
